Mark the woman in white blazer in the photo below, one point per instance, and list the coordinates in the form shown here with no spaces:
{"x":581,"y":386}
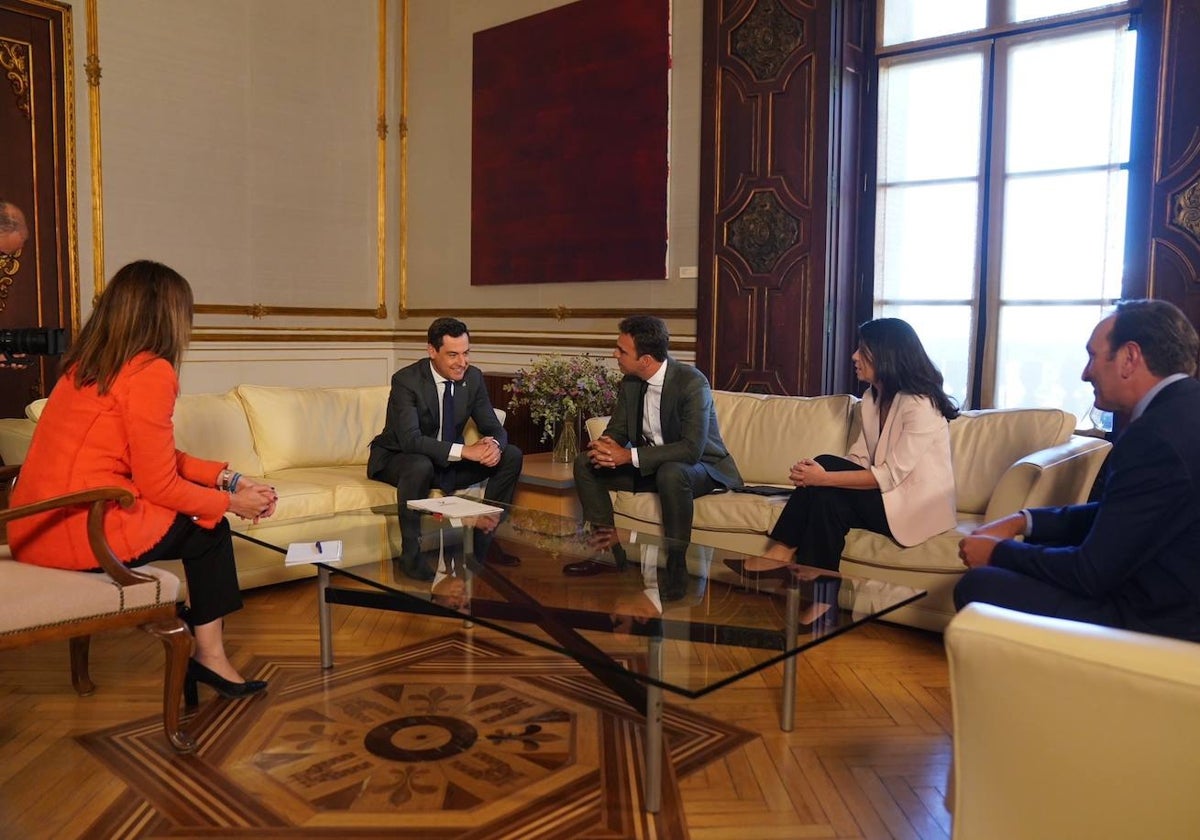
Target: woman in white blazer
{"x":897,"y":479}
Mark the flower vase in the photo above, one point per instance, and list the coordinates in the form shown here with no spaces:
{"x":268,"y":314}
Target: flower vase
{"x":567,"y":445}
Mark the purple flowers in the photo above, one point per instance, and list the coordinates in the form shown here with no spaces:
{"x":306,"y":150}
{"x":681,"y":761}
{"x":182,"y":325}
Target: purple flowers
{"x":557,"y":388}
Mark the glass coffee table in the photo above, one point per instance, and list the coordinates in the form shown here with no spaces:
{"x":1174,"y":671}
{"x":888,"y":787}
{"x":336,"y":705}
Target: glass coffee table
{"x":552,"y":581}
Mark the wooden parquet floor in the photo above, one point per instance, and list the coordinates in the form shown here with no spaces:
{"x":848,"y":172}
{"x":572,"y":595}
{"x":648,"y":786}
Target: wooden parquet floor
{"x":867,"y":759}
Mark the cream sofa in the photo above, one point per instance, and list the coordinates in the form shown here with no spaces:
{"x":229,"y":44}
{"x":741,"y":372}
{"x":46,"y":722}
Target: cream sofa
{"x":1004,"y":460}
{"x":1069,"y":730}
{"x":310,"y":443}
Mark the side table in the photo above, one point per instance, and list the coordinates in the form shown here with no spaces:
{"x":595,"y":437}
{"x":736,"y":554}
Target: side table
{"x":547,"y":485}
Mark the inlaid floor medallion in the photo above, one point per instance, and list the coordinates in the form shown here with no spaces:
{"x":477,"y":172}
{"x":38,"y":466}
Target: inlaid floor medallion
{"x":453,"y":738}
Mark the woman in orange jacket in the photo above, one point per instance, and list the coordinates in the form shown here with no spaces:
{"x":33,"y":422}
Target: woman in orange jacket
{"x":108,"y":423}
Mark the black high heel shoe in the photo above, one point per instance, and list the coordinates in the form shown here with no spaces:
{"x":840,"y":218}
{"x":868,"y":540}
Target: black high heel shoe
{"x":197,"y":673}
{"x":783,"y":573}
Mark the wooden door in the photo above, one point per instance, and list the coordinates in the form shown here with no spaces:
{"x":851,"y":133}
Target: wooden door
{"x":37,"y":139}
{"x":783,"y":85}
{"x":1163,"y":245}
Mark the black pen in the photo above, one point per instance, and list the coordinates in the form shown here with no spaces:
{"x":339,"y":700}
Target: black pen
{"x":319,"y":547}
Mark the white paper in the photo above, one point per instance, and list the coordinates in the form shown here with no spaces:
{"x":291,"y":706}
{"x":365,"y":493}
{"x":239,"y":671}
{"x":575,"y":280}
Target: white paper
{"x":455,"y":507}
{"x":322,"y":551}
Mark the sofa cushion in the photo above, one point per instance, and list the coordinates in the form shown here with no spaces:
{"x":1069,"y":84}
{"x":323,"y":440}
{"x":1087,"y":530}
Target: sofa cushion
{"x":985,"y":443}
{"x":766,"y":434}
{"x":214,"y":426}
{"x":731,"y":512}
{"x":351,"y":488}
{"x":297,"y":497}
{"x":313,"y":427}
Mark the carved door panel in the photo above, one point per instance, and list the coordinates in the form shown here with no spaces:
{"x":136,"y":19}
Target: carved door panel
{"x":1164,"y":230}
{"x":777,"y":140}
{"x":37,"y":285}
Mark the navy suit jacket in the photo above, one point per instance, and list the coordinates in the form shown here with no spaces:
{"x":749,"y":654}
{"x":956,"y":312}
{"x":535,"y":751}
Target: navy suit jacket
{"x":414,"y":416}
{"x":1139,"y":545}
{"x":689,"y":425}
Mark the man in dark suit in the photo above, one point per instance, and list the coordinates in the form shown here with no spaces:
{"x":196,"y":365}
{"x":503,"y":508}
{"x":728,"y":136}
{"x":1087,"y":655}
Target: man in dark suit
{"x":1132,"y":559}
{"x":421,"y":445}
{"x":662,"y":437}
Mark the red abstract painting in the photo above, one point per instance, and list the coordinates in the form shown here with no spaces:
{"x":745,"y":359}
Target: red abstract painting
{"x":569,"y":145}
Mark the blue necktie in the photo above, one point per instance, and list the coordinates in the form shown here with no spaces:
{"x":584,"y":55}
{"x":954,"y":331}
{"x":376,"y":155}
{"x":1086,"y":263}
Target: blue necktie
{"x":446,"y":479}
{"x":448,"y":434}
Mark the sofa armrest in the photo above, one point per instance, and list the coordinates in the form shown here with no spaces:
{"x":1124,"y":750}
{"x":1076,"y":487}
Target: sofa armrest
{"x":595,"y":427}
{"x":15,"y":437}
{"x":1065,"y":729}
{"x":1059,"y":475}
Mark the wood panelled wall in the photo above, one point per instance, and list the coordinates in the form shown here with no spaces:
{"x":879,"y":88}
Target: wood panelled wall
{"x":779,"y":132}
{"x":1163,"y":248}
{"x":522,"y":431}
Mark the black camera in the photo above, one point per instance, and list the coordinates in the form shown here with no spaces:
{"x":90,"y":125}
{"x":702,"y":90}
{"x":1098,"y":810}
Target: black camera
{"x":33,"y":341}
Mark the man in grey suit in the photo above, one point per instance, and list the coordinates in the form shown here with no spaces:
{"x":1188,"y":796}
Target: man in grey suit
{"x":662,"y":437}
{"x":421,"y":445}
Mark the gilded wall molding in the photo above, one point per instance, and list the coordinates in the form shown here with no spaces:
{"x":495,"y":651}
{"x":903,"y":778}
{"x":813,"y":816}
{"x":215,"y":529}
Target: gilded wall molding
{"x":558,"y":313}
{"x":14,"y":61}
{"x":92,"y":69}
{"x":402,"y":300}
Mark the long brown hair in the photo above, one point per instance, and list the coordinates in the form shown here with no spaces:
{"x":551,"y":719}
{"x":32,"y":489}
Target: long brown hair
{"x":146,"y":307}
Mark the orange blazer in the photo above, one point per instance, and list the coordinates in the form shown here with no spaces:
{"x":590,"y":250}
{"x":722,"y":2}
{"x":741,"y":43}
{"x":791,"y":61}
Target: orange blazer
{"x":126,"y":439}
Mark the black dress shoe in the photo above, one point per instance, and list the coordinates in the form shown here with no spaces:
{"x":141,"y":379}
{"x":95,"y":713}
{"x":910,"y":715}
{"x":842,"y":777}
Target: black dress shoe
{"x":414,"y":567}
{"x":502,"y":558}
{"x":197,"y":673}
{"x":587,"y":568}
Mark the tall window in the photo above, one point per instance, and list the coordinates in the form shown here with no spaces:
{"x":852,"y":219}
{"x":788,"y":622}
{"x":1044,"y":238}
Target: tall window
{"x":1003,"y":150}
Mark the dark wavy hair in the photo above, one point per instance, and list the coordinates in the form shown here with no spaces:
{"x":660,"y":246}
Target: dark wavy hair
{"x":649,"y":334}
{"x":902,"y":365}
{"x":443,"y":327}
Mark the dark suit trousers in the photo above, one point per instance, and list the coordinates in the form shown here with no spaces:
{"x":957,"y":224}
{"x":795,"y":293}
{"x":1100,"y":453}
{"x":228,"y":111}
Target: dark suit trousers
{"x":1015,"y":591}
{"x":676,"y":483}
{"x":208,"y":565}
{"x":816,"y":519}
{"x":414,"y":475}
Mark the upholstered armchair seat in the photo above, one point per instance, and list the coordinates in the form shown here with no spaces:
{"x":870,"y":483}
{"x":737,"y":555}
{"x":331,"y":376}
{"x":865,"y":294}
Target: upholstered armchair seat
{"x":39,"y":604}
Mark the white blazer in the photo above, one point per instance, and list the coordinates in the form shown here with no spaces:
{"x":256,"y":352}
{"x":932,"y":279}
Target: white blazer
{"x":910,"y":458}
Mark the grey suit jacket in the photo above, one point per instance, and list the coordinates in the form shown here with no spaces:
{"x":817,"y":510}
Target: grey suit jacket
{"x":689,"y":425}
{"x":414,"y":416}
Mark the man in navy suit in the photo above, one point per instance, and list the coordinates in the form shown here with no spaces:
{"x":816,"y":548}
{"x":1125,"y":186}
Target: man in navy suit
{"x":1131,"y":559}
{"x":421,"y":445}
{"x":662,"y":437}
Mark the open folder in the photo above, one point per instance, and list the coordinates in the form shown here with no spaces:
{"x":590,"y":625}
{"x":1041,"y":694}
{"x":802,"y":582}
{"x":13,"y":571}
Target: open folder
{"x":321,"y":551}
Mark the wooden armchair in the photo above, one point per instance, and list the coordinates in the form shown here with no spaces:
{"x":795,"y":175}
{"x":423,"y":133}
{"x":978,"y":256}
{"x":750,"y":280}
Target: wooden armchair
{"x":39,"y":604}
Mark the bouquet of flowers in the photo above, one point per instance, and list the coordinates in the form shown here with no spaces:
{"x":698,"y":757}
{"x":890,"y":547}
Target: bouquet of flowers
{"x":558,"y":389}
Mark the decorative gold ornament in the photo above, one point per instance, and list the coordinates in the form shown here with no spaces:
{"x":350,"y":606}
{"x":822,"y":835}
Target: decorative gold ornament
{"x":10,"y":264}
{"x":14,"y":61}
{"x":1186,"y":209}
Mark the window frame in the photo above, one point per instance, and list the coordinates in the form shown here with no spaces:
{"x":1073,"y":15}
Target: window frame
{"x":999,"y":37}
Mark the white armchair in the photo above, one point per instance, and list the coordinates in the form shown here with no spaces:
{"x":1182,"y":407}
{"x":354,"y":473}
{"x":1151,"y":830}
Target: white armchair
{"x":1068,"y":730}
